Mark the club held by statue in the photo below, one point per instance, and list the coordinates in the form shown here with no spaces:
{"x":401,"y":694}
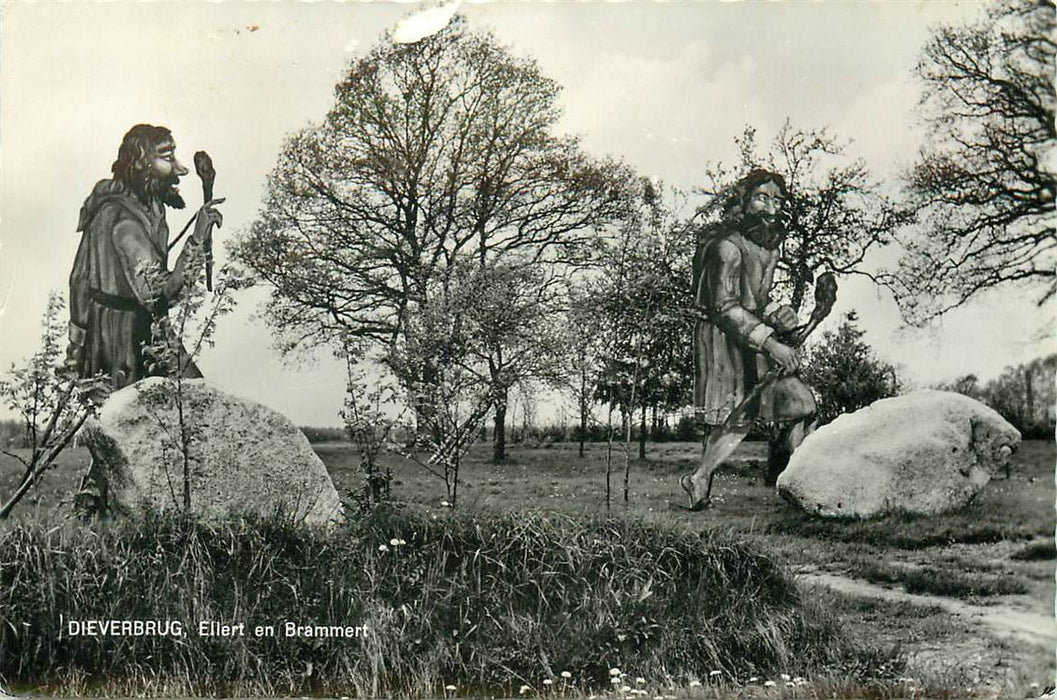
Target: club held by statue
{"x":204,"y":168}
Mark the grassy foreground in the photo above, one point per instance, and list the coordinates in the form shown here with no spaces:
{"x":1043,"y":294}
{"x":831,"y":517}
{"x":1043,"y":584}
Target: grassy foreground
{"x":487,"y":604}
{"x":995,"y":555}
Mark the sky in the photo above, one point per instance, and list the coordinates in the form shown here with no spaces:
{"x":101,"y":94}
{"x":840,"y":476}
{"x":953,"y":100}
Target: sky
{"x":666,"y":86}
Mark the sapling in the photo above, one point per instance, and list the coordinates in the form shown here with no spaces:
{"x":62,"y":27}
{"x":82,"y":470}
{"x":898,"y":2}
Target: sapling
{"x":51,"y":400}
{"x":179,"y":337}
{"x":368,"y":425}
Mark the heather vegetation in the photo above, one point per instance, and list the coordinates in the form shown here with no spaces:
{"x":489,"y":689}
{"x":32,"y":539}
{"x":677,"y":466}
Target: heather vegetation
{"x":486,"y":603}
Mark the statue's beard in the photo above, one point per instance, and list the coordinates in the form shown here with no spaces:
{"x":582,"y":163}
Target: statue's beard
{"x":765,"y":231}
{"x":164,"y":190}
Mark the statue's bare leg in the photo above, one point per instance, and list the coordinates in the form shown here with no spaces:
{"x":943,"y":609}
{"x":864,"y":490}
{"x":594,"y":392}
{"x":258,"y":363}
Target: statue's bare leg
{"x":801,"y":430}
{"x":721,"y":443}
{"x":781,"y":448}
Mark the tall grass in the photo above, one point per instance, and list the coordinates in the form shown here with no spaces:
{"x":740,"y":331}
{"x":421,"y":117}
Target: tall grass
{"x":487,"y":604}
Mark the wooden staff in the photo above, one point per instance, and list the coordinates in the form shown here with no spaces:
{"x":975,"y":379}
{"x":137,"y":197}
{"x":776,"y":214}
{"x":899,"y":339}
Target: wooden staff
{"x":204,"y":168}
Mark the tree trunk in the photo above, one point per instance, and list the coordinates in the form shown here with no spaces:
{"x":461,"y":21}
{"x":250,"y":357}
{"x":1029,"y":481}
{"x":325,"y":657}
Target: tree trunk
{"x":796,"y":299}
{"x":642,"y":432}
{"x":422,"y":390}
{"x":626,"y":416}
{"x":583,"y":408}
{"x":499,"y":444}
{"x":609,"y":457}
{"x":1029,"y":396}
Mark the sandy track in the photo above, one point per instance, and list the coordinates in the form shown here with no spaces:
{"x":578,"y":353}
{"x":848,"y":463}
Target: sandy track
{"x":1002,"y":619}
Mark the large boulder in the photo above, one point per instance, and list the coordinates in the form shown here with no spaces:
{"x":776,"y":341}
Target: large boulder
{"x":926,"y":452}
{"x":242,"y":458}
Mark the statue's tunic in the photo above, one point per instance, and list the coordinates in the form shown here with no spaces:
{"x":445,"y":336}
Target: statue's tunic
{"x":733,"y":277}
{"x":115,"y":284}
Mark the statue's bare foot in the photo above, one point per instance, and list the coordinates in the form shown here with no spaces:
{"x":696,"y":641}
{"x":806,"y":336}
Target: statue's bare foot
{"x":696,"y":504}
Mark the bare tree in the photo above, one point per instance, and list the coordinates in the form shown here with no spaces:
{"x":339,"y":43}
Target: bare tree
{"x":458,"y":392}
{"x":177,"y":340}
{"x":514,"y":329}
{"x":435,"y":153}
{"x":981,"y":184}
{"x":643,"y":297}
{"x":586,"y":343}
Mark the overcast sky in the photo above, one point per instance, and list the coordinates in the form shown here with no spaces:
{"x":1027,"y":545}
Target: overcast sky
{"x":665,"y":86}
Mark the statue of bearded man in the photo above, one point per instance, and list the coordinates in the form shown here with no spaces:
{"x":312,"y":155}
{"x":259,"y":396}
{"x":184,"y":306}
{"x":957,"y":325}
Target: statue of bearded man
{"x":739,"y":338}
{"x":121,"y":282}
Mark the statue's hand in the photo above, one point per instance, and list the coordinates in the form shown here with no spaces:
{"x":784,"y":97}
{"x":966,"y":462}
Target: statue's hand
{"x":783,"y":355}
{"x":783,"y":318}
{"x":208,"y":216}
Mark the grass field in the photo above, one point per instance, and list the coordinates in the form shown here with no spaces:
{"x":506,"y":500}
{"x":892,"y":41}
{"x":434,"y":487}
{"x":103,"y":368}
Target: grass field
{"x":994,"y":556}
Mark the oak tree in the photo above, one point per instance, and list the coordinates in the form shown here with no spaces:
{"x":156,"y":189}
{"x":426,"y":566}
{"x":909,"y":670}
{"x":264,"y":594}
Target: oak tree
{"x":436,"y":154}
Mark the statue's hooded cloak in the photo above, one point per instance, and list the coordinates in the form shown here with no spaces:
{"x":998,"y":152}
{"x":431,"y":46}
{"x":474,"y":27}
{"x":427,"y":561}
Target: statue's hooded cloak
{"x":121,"y":259}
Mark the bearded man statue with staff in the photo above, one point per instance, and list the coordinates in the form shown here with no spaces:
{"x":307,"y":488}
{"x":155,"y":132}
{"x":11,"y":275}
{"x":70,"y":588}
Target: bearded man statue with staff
{"x":121,"y":283}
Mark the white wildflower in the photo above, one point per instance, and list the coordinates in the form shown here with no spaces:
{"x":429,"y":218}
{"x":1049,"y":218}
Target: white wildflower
{"x":566,"y":674}
{"x":547,"y":681}
{"x":382,"y":548}
{"x":640,"y":680}
{"x":768,"y":684}
{"x":695,"y":683}
{"x":395,"y":542}
{"x":614,"y":671}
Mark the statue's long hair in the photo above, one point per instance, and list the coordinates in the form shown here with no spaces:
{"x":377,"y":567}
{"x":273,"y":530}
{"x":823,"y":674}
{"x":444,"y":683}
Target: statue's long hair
{"x":734,"y":207}
{"x":133,"y":164}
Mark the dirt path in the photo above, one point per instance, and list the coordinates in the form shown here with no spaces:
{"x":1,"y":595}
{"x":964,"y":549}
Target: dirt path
{"x":1002,"y":619}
